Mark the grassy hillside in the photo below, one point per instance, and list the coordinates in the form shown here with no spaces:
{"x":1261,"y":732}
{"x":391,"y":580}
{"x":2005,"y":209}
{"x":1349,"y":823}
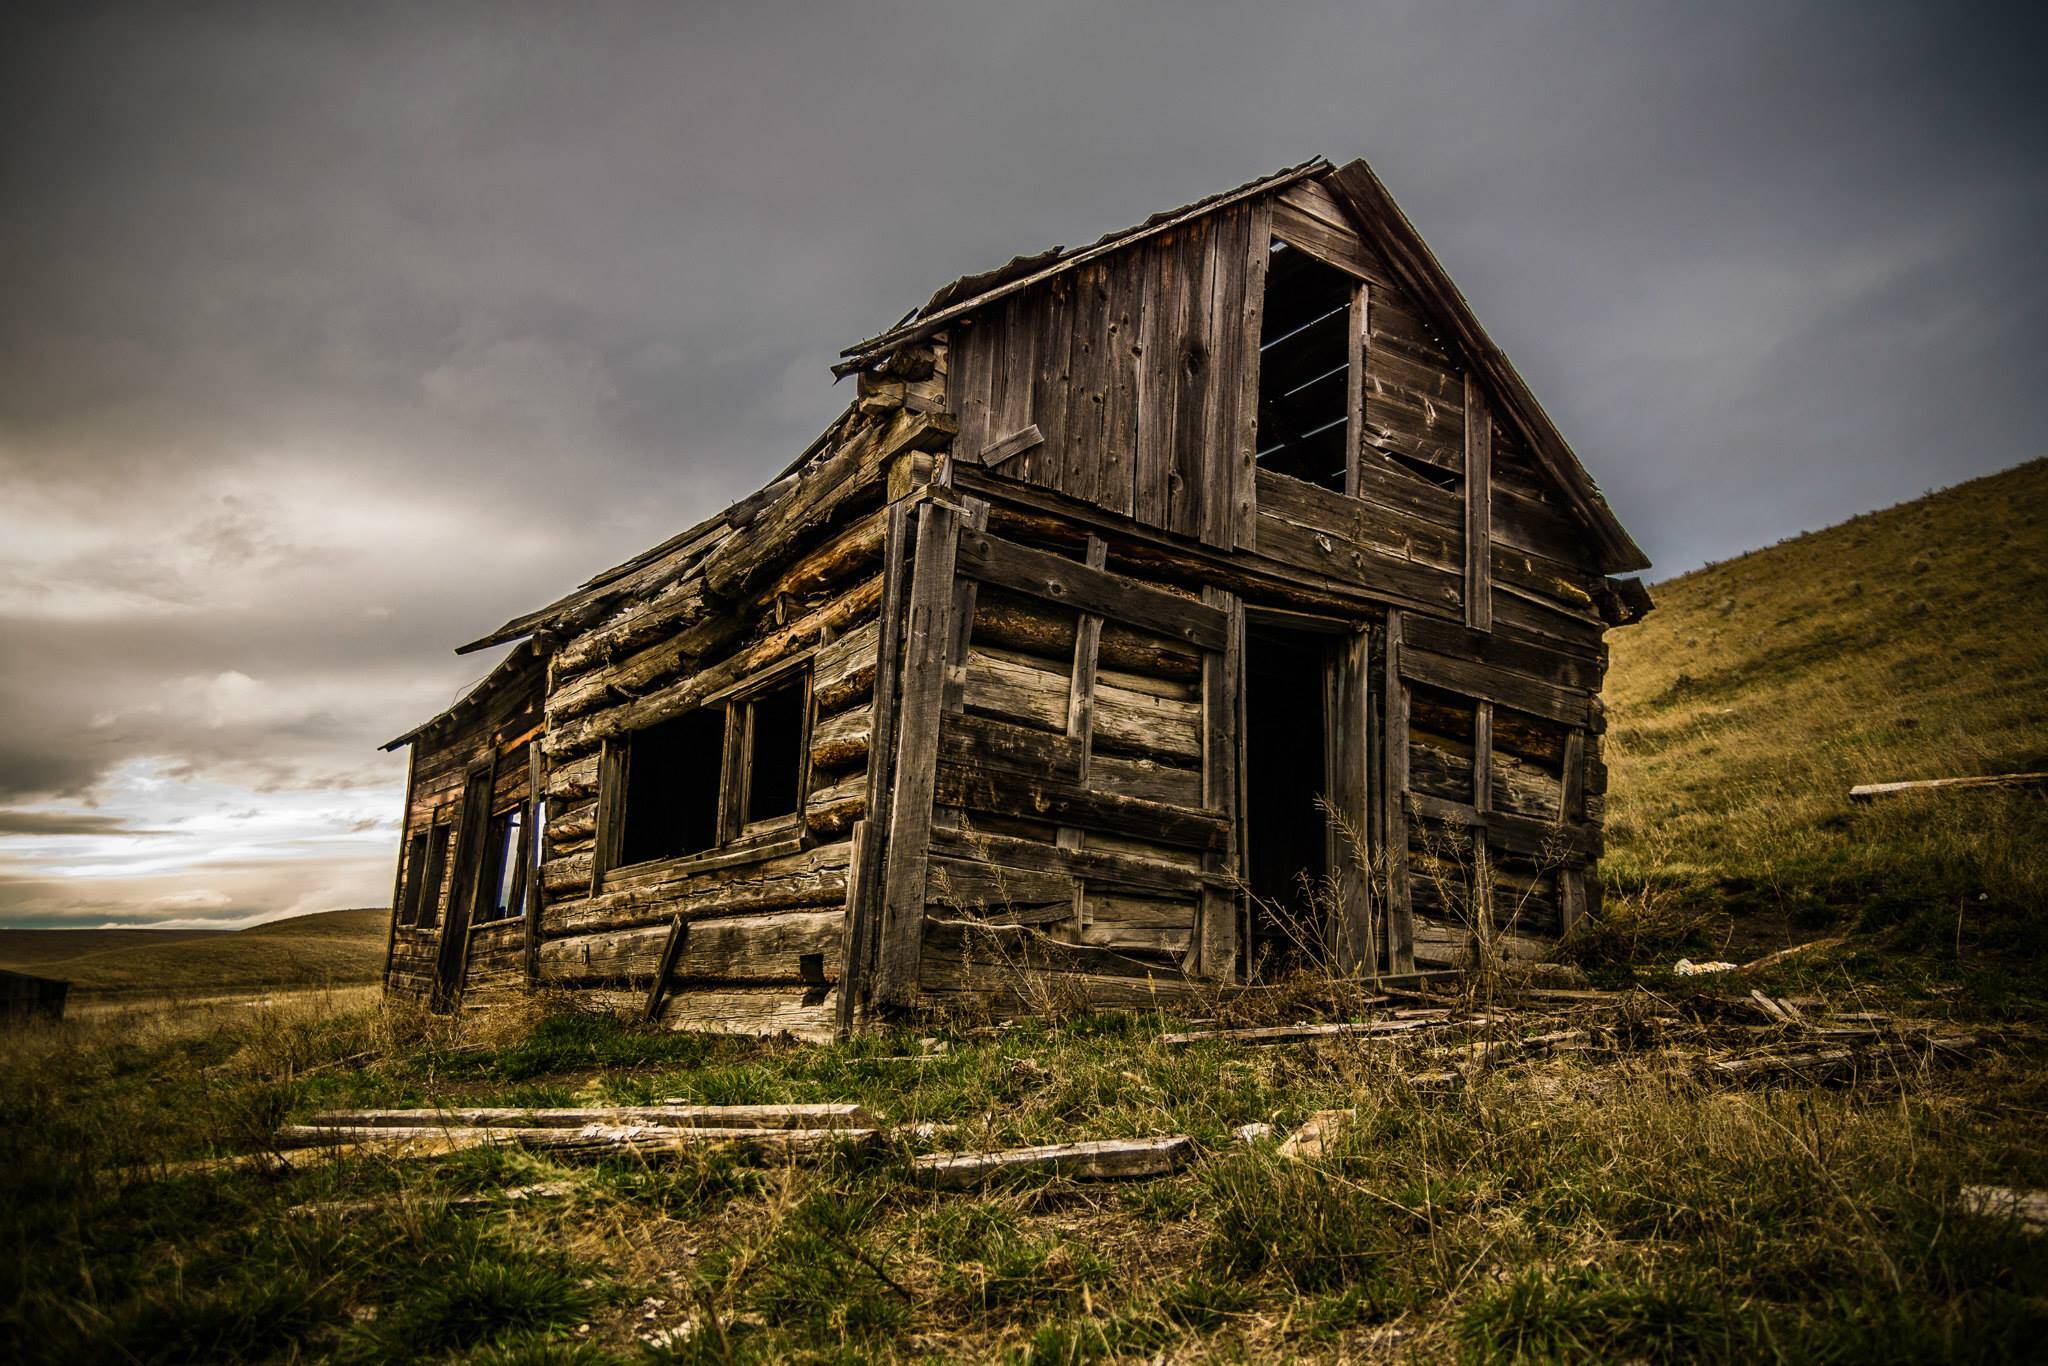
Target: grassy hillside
{"x":328,"y":948}
{"x":1908,"y":643}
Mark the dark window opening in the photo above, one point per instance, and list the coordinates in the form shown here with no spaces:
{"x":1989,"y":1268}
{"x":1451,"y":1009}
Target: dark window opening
{"x":502,"y":866}
{"x":1287,"y":840}
{"x":1305,"y":368}
{"x":415,"y":879}
{"x":672,"y":787}
{"x":775,"y":758}
{"x":430,"y":885}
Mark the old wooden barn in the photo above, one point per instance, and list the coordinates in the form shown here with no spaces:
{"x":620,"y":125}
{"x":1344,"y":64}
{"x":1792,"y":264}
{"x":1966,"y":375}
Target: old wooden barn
{"x":1208,"y":602}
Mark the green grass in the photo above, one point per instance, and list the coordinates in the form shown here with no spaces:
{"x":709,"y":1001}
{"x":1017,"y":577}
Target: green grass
{"x":1567,"y":1210}
{"x":1903,"y":644}
{"x":331,"y":948}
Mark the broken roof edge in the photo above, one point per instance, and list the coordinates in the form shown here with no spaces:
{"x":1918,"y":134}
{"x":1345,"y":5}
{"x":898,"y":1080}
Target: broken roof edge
{"x":522,"y":655}
{"x":1359,"y":189}
{"x":924,"y":321}
{"x":591,"y":590}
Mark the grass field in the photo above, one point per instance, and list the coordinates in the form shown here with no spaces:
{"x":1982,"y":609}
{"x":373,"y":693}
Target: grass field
{"x":1574,"y":1210}
{"x":331,"y":948}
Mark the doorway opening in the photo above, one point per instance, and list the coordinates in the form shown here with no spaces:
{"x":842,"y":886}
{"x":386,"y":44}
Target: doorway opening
{"x":1287,"y":769}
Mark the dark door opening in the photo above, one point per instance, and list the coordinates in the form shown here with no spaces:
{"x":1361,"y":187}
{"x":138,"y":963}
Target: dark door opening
{"x":1286,"y":755}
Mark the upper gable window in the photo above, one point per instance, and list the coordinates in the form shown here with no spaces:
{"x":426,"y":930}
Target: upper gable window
{"x":1305,"y":357}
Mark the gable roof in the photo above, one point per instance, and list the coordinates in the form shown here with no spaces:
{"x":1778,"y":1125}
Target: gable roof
{"x":1380,"y":220}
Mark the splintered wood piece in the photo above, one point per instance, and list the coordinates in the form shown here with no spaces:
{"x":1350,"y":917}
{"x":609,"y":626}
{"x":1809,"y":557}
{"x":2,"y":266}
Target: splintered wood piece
{"x":590,"y":1140}
{"x":1870,"y":791}
{"x":2026,"y":1208}
{"x":1304,"y":1033}
{"x":1317,"y":1137}
{"x":666,"y":1114}
{"x":1100,"y":1160}
{"x":1780,"y":955}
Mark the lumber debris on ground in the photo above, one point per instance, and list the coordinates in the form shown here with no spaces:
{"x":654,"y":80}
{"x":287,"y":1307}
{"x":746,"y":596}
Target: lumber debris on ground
{"x":666,"y":1114}
{"x":1318,"y":1136}
{"x":1303,"y":1033}
{"x":1812,"y":945}
{"x":587,"y":1141}
{"x":2026,"y":1208}
{"x":355,"y":1209}
{"x":1105,"y":1159}
{"x":1864,"y":792}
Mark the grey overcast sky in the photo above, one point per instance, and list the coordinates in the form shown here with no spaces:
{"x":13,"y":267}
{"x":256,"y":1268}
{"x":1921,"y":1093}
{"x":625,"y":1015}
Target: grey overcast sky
{"x":331,"y":335}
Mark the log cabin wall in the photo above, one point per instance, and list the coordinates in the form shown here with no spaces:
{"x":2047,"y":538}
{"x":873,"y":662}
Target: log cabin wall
{"x":451,"y":935}
{"x":744,"y":928}
{"x":1012,"y":588}
{"x":1120,"y":386}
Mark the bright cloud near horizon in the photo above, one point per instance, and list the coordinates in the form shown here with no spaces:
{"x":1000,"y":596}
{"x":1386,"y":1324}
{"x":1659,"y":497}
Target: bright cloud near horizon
{"x":337,"y":334}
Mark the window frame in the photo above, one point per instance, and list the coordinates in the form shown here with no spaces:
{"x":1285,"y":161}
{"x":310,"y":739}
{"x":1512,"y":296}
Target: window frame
{"x":492,"y":873}
{"x":440,"y":844}
{"x":738,"y":839}
{"x":1360,"y":322}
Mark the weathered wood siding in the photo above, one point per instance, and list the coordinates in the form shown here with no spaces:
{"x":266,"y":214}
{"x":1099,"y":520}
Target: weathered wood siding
{"x":799,"y":586}
{"x":1131,"y":369}
{"x":496,"y":731}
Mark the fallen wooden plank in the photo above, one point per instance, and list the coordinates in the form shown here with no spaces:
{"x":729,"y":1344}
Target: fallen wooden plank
{"x":591,"y":1140}
{"x":1303,"y":1033}
{"x":1865,"y":792}
{"x":2026,"y":1208}
{"x":353,"y":1209}
{"x":1779,"y":956}
{"x":1100,"y":1160}
{"x":663,"y":1114}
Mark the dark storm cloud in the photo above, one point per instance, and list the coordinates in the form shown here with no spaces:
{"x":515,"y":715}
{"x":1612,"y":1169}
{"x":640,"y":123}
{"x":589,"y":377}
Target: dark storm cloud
{"x":336,"y":334}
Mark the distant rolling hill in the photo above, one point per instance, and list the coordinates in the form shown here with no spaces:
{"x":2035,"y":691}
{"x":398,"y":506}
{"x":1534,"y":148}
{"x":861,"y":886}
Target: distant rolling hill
{"x":330,"y":948}
{"x":1906,"y":643}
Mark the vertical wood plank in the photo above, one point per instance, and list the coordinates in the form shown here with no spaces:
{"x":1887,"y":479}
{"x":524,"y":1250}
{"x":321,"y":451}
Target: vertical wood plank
{"x":1193,"y":376}
{"x":1571,"y":898}
{"x":970,"y":381}
{"x":536,"y":800}
{"x":398,"y":907}
{"x":1244,"y":434}
{"x":1482,"y":756}
{"x":1350,"y":789}
{"x":1478,"y":508}
{"x":1216,"y":940}
{"x":1121,"y":360}
{"x":1159,"y":331}
{"x":1354,"y":387}
{"x":927,"y":640}
{"x":1081,"y":690}
{"x":1054,"y":383}
{"x":1223,"y":306}
{"x":733,"y":770}
{"x":974,"y":518}
{"x":465,"y":887}
{"x":1014,"y":358}
{"x":1400,"y":914}
{"x":1571,"y":806}
{"x":1087,"y":366}
{"x":609,"y":827}
{"x":864,"y":877}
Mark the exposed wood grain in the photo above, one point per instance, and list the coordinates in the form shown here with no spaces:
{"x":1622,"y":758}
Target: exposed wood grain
{"x":1106,"y":1159}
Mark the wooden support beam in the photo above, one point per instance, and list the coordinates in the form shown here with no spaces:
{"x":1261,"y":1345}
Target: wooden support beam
{"x":927,"y":640}
{"x":1216,"y":947}
{"x":678,"y":928}
{"x":1478,"y":507}
{"x":1400,"y":915}
{"x":864,"y":883}
{"x":1081,"y":702}
{"x":530,"y":853}
{"x":1482,"y":757}
{"x":1021,"y":569}
{"x":1353,"y":944}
